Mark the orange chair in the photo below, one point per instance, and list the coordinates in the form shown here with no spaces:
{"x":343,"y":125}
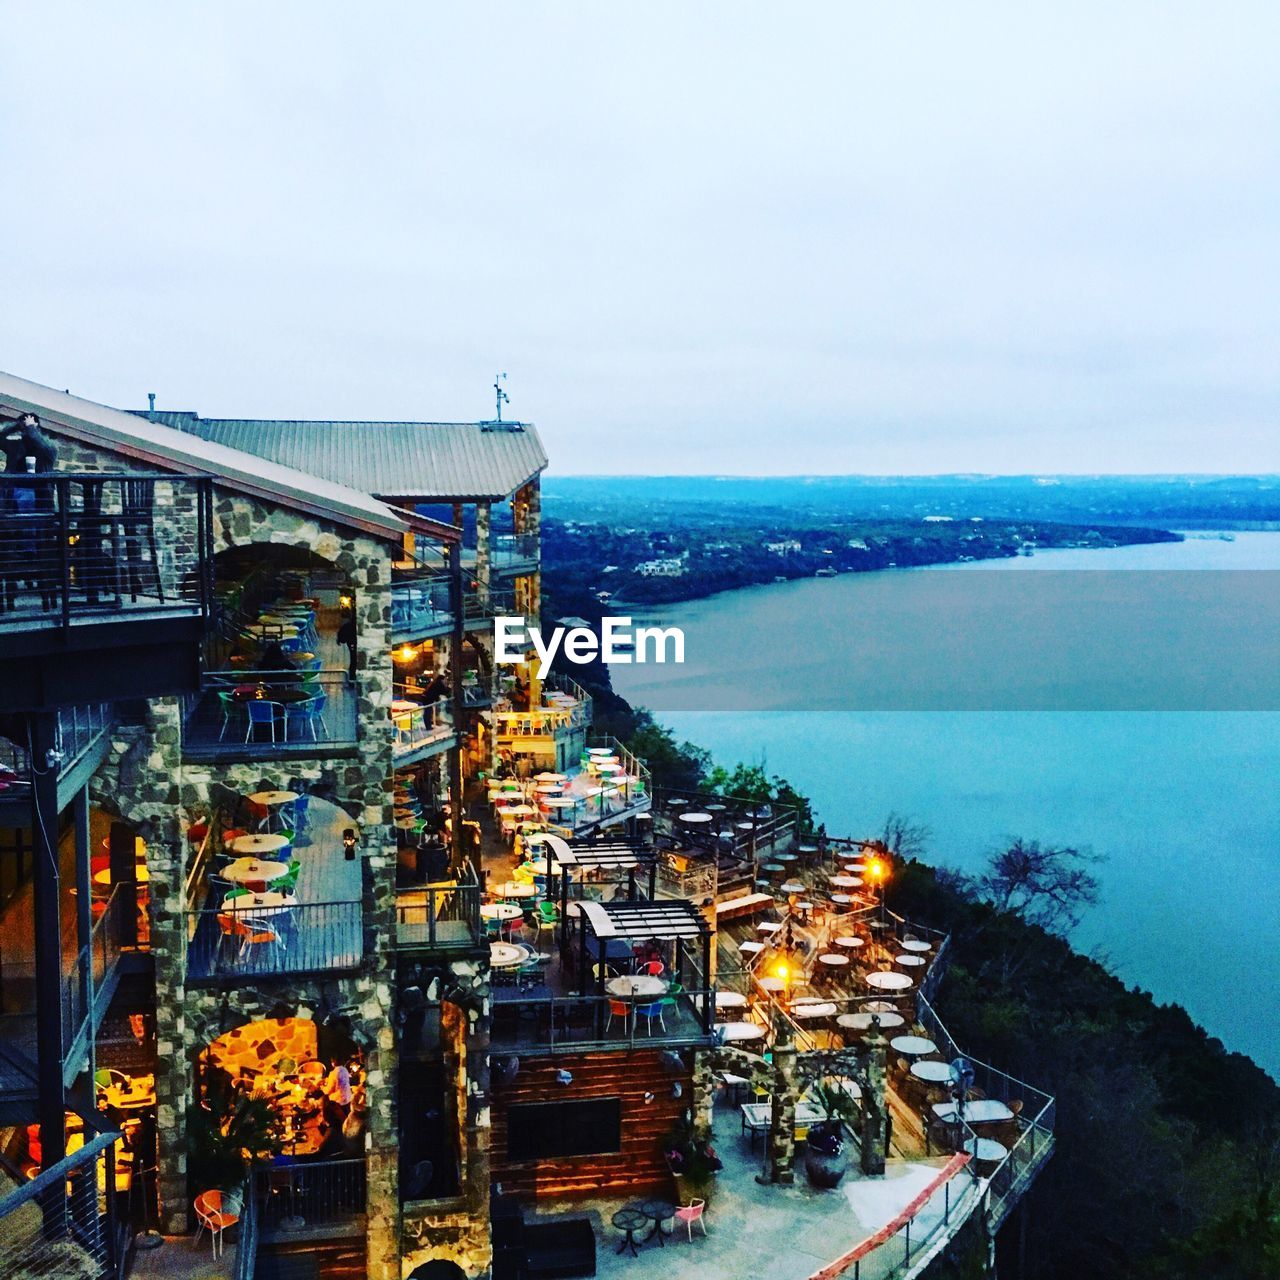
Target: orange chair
{"x":621,"y":1009}
{"x":215,"y":1212}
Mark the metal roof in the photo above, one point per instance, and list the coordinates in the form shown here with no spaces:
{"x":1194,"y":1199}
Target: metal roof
{"x":666,"y":920}
{"x":420,"y":461}
{"x":186,"y":454}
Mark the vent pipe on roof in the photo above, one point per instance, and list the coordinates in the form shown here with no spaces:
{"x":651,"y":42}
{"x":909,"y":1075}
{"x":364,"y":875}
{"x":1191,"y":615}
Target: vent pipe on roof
{"x":151,"y":406}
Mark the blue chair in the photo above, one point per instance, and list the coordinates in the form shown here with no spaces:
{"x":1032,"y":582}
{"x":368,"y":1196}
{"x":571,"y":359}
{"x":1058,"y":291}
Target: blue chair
{"x":298,"y":810}
{"x":306,"y":715}
{"x":261,"y":713}
{"x":651,"y":1013}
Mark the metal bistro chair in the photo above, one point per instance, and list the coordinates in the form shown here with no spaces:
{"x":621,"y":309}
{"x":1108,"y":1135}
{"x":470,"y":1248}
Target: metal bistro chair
{"x":230,"y":709}
{"x":261,"y":712}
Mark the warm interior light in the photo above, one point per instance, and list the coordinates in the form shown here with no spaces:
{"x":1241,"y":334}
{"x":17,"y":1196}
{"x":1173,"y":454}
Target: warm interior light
{"x":782,"y":972}
{"x":406,"y":653}
{"x":345,"y":601}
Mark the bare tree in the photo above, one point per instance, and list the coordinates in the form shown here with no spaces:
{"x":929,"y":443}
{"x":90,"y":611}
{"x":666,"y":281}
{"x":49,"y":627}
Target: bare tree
{"x":1047,"y":885}
{"x":903,"y":838}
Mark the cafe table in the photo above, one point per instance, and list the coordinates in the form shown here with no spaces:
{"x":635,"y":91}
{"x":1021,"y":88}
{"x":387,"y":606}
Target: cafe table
{"x":636,"y":986}
{"x":841,"y":899}
{"x":739,"y":1032}
{"x":911,"y":963}
{"x":507,"y":955}
{"x":808,"y":1010}
{"x":850,"y":942}
{"x":730,"y":1000}
{"x":932,"y":1072}
{"x":500,"y":911}
{"x":977,"y":1111}
{"x":862,"y":1021}
{"x":696,"y":818}
{"x":550,"y":777}
{"x":772,"y":985}
{"x":136,"y":1092}
{"x":516,"y":889}
{"x":917,"y":945}
{"x":846,"y":882}
{"x":271,"y":799}
{"x":267,"y":903}
{"x":599,"y":751}
{"x":249,"y":870}
{"x":832,"y":960}
{"x":768,"y":926}
{"x":885,"y":980}
{"x":103,"y":878}
{"x":913,"y":1046}
{"x":750,"y":948}
{"x":790,"y":887}
{"x":251,"y":846}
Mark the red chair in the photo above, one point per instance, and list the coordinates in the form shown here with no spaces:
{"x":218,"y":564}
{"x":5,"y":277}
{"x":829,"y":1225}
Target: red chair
{"x":655,"y":968}
{"x":621,"y":1008}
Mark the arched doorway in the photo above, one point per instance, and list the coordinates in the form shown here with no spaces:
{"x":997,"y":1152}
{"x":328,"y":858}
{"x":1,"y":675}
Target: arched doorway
{"x":438,"y":1269}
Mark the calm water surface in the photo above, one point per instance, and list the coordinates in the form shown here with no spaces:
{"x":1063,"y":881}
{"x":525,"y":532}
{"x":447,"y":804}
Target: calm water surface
{"x":1185,"y":805}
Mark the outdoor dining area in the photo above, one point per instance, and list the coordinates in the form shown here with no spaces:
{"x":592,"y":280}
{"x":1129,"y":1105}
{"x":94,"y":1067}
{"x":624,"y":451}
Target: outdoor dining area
{"x":279,"y":893}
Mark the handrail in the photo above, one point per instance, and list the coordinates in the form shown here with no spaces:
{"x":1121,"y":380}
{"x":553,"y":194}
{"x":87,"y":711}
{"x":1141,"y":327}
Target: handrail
{"x":894,"y":1225}
{"x":57,"y":1173}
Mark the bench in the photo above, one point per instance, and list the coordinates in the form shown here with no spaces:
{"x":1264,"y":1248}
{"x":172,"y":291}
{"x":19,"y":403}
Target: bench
{"x":744,"y":905}
{"x":560,"y":1248}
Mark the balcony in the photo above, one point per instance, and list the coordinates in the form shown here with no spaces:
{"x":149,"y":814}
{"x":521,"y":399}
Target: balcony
{"x":226,"y":944}
{"x":109,"y":564}
{"x":421,"y":731}
{"x":420,"y":608}
{"x":271,"y":715}
{"x":510,"y":554}
{"x":443,"y":915}
{"x":317,"y":1199}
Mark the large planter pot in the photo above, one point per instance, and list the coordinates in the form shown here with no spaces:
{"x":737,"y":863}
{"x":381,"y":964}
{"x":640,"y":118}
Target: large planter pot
{"x":688,"y":1191}
{"x":825,"y":1160}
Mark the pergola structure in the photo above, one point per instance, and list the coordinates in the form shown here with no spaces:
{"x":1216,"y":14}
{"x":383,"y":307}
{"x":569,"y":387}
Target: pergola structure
{"x":672,"y":920}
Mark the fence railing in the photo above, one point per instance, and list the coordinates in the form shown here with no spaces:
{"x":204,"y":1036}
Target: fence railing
{"x":514,"y":552}
{"x":227,"y":942}
{"x":532,"y":1018}
{"x":421,"y":727}
{"x":77,"y":729}
{"x":316,"y":1195}
{"x":746,"y":828}
{"x":420,"y":606}
{"x":77,"y":546}
{"x":440,"y":915}
{"x":54,"y":1227}
{"x":268,"y":714}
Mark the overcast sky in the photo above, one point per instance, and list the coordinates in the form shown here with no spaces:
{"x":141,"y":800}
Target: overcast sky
{"x":748,"y":238}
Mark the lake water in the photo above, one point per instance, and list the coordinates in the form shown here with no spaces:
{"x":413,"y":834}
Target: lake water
{"x":1185,"y":805}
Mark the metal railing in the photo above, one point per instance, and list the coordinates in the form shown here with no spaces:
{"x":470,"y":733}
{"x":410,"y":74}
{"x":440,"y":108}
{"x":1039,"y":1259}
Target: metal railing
{"x":225,"y":944}
{"x":81,"y":546}
{"x":1035,"y":1116}
{"x":250,"y":1232}
{"x":322,"y":1194}
{"x":77,"y":730}
{"x":294,"y":712}
{"x":514,"y":552}
{"x":420,"y":606}
{"x":440,"y":915}
{"x":55,"y":1227}
{"x":747,"y":829}
{"x":529,"y":1018}
{"x":423,"y":727}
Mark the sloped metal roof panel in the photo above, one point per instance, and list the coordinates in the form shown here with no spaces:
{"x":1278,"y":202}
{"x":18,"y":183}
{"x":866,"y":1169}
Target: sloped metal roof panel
{"x":419,"y":460}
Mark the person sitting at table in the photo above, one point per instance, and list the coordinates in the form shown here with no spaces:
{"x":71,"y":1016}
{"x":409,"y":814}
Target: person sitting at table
{"x":275,"y":660}
{"x":338,"y":1085}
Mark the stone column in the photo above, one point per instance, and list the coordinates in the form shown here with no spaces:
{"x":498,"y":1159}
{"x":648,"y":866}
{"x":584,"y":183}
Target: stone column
{"x":782,"y":1121}
{"x":484,"y":539}
{"x":703,"y":1101}
{"x":533,"y":527}
{"x":873,"y":1103}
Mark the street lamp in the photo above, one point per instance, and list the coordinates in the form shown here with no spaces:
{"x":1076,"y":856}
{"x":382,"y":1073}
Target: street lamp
{"x":878,"y":873}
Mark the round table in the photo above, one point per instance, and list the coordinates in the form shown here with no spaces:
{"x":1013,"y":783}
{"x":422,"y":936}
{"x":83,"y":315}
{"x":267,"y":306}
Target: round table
{"x":407,"y":824}
{"x":805,"y":1010}
{"x":879,"y":1006}
{"x":629,"y":1221}
{"x":716,"y":808}
{"x":771,"y":984}
{"x":883,"y":980}
{"x":786,"y":857}
{"x":636,"y":986}
{"x":910,"y":962}
{"x":140,"y":874}
{"x":659,"y":1211}
{"x":676,"y":802}
{"x":917,"y":945}
{"x":270,"y":799}
{"x":516,"y":889}
{"x":846,"y":882}
{"x":253,"y":845}
{"x":976,"y":1111}
{"x":506,"y":955}
{"x":599,"y":751}
{"x":730,"y":1000}
{"x":986,"y":1153}
{"x":842,"y":899}
{"x":500,"y":911}
{"x":549,"y":788}
{"x":559,"y":802}
{"x":913,"y":1046}
{"x":750,"y":948}
{"x":739,"y":1031}
{"x":808,"y":848}
{"x":862,"y":1021}
{"x":932,"y":1072}
{"x":849,"y":942}
{"x":696,"y":817}
{"x":250,"y":870}
{"x":833,"y":961}
{"x":792,"y":886}
{"x":550,"y":777}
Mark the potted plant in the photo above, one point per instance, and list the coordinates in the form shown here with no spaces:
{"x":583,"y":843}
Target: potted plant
{"x":693,"y":1163}
{"x":230,"y":1133}
{"x":825,"y":1159}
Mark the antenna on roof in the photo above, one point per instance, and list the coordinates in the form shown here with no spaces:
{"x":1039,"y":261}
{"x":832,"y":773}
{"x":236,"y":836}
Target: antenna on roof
{"x":151,"y":406}
{"x":501,"y":395}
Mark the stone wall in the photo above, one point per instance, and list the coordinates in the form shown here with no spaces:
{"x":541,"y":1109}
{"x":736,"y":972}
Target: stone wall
{"x":146,"y":783}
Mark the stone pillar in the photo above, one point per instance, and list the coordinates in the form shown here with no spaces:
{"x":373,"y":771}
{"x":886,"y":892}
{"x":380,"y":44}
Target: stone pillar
{"x":873,"y":1103}
{"x":782,"y":1121}
{"x":703,"y":1101}
{"x":484,"y":546}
